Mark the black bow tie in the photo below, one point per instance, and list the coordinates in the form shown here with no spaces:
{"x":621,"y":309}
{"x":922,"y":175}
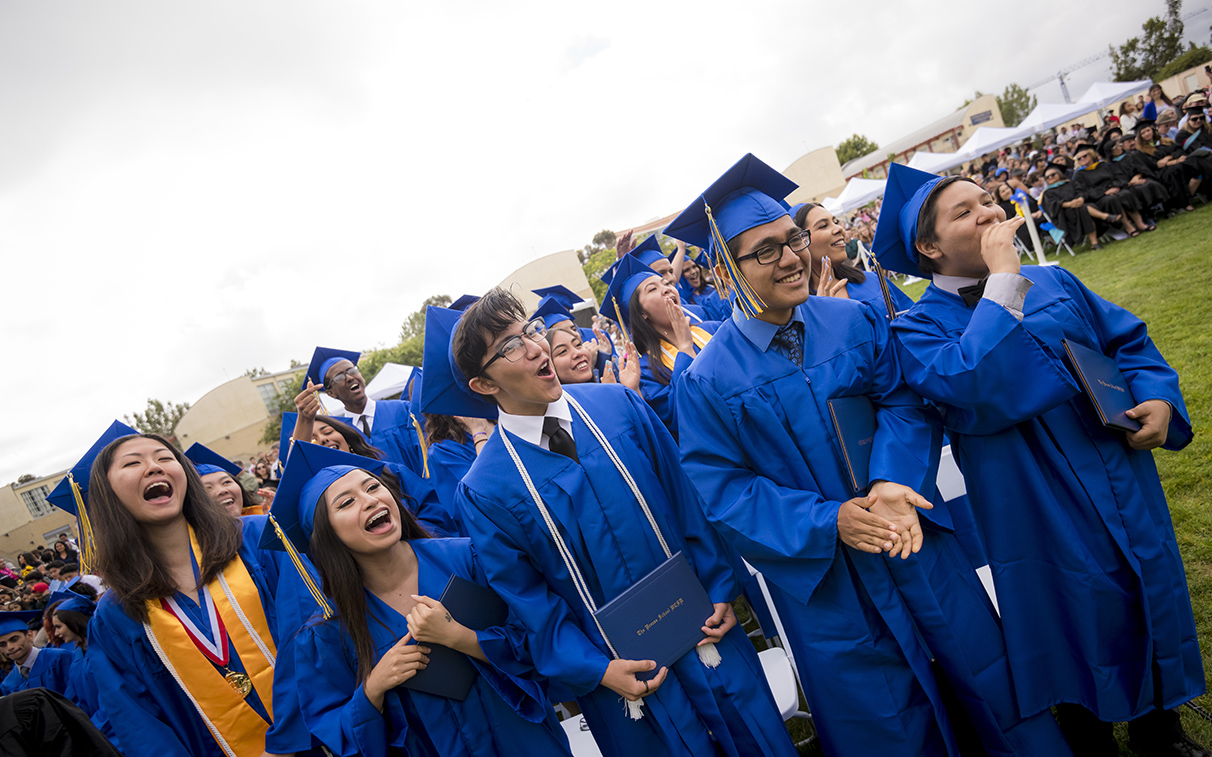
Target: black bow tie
{"x":972,"y":294}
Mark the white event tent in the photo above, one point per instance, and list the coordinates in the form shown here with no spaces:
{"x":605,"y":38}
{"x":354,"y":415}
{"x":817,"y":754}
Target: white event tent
{"x":391,"y":379}
{"x":935,"y":162}
{"x":859,"y":192}
{"x":1047,"y":115}
{"x":1103,"y":93}
{"x":833,"y":205}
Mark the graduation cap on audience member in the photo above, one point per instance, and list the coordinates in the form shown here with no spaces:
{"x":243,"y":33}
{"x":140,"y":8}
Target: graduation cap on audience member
{"x":895,"y":243}
{"x":749,"y":194}
{"x":71,"y":493}
{"x":445,"y":390}
{"x":323,"y":359}
{"x":627,"y":279}
{"x":207,"y":461}
{"x":1144,"y":123}
{"x":464,"y":302}
{"x":72,"y":602}
{"x":18,"y":620}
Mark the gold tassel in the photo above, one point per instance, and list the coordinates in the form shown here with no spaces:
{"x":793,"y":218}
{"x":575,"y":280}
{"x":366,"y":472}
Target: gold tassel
{"x":747,"y":299}
{"x":88,"y":555}
{"x":302,"y":569}
{"x":421,"y":442}
{"x":622,"y":326}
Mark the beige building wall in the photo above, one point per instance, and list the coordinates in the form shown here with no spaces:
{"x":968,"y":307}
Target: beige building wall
{"x":24,"y":529}
{"x":819,"y":175}
{"x":562,"y":268}
{"x":231,"y":417}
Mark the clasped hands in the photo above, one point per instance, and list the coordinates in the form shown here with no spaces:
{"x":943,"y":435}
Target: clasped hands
{"x":885,"y":520}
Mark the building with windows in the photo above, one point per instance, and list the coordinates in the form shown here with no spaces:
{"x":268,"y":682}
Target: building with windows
{"x":28,"y":519}
{"x":231,"y":417}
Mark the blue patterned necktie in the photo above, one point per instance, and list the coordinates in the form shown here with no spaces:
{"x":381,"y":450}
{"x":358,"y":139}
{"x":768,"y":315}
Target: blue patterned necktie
{"x":789,"y":341}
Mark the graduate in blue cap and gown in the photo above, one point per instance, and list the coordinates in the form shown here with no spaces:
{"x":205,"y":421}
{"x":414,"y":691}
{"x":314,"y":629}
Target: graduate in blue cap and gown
{"x":33,"y":667}
{"x":756,"y":431}
{"x":383,"y":575}
{"x":595,"y":464}
{"x":389,"y":424}
{"x":1088,"y":574}
{"x":841,"y":277}
{"x":649,"y":311}
{"x":183,"y":644}
{"x":649,"y":253}
{"x":694,"y":287}
{"x":421,"y":495}
{"x":556,"y":310}
{"x":218,"y":475}
{"x":70,"y":617}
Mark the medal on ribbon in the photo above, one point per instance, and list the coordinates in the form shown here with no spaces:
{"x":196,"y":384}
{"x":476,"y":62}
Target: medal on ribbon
{"x":214,"y":649}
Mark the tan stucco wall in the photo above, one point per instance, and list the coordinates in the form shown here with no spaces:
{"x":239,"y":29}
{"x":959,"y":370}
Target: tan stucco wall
{"x":231,"y":417}
{"x":22,"y":532}
{"x":819,"y":175}
{"x":557,"y":268}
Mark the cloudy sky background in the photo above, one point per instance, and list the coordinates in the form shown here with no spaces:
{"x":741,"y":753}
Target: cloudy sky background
{"x":191,"y":190}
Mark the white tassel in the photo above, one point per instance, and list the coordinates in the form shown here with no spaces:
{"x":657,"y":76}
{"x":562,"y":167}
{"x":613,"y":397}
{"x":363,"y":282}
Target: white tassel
{"x":635,"y":710}
{"x":709,"y":655}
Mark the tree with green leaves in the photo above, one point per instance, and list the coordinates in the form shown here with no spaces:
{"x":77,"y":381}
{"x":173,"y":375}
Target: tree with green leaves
{"x":1145,"y":56}
{"x":253,"y":373}
{"x":1195,"y":56}
{"x":1015,"y":103}
{"x":26,"y":477}
{"x":855,"y":146}
{"x":285,"y":404}
{"x":603,"y":240}
{"x":159,"y":418}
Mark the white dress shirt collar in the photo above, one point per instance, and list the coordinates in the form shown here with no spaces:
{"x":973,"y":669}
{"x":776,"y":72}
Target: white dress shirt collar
{"x":530,"y":427}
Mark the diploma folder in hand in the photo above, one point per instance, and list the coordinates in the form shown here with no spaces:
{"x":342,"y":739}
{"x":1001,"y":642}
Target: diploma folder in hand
{"x":1104,"y":384}
{"x":450,"y":673}
{"x":854,"y":423}
{"x":660,"y":617}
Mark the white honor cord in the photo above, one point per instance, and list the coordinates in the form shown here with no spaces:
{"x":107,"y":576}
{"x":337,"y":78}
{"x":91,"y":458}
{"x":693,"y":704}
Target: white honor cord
{"x":256,"y":637}
{"x":151,"y":636}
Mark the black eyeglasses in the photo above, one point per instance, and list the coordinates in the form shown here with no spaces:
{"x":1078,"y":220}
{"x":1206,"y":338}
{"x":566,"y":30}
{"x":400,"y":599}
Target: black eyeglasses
{"x":514,"y":348}
{"x":771,"y":253}
{"x":341,"y":377}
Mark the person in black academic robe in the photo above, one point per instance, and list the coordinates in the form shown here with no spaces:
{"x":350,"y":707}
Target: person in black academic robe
{"x":1068,"y":209}
{"x":1144,"y":159}
{"x":1102,"y":185}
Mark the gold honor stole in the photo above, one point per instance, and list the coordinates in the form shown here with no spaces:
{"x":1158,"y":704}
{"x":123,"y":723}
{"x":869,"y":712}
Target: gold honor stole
{"x":236,"y":726}
{"x":669,"y":353}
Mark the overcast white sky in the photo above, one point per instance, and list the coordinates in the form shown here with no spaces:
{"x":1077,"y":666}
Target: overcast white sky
{"x":188,"y":190}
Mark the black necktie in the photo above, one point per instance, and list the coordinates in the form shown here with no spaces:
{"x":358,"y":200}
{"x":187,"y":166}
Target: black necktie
{"x":972,"y":294}
{"x":559,"y":440}
{"x":365,"y":425}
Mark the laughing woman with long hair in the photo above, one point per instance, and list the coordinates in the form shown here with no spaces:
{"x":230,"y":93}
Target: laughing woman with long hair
{"x":183,"y":644}
{"x":382,"y":574}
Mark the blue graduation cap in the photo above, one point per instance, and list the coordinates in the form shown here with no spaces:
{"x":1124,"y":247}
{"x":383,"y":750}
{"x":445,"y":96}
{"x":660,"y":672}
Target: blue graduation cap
{"x":412,"y":390}
{"x":560,"y":294}
{"x":649,"y":251}
{"x":607,"y":275}
{"x":207,"y":461}
{"x":71,"y":493}
{"x":749,"y":194}
{"x":287,"y":437}
{"x":72,"y":602}
{"x":895,"y":243}
{"x":464,"y":302}
{"x":311,"y":470}
{"x":325,"y":358}
{"x":445,"y":390}
{"x":627,"y":279}
{"x":552,"y":311}
{"x":12,"y":622}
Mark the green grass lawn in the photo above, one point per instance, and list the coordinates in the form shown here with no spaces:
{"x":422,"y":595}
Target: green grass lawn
{"x":1164,"y":277}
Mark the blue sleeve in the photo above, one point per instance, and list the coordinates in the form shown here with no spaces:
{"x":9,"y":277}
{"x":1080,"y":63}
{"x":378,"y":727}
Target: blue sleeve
{"x":425,"y":504}
{"x":1150,"y":111}
{"x":991,"y":376}
{"x":1125,"y":338}
{"x":558,"y":646}
{"x":333,"y":703}
{"x":660,"y":397}
{"x":791,"y":526}
{"x":63,"y":671}
{"x":714,"y":561}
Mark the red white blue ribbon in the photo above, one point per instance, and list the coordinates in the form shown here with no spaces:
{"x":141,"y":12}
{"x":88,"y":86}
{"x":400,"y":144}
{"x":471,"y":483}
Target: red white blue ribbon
{"x":215,"y":649}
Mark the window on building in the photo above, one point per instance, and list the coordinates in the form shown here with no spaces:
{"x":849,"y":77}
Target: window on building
{"x":269,"y":395}
{"x":35,"y":501}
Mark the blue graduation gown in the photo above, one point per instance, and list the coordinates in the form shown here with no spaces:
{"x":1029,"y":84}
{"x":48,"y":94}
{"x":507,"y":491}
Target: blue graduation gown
{"x":869,"y":292}
{"x":449,"y":461}
{"x":661,"y":396}
{"x":502,"y":714}
{"x":614,"y":546}
{"x":52,"y":670}
{"x":425,"y":502}
{"x":82,"y":689}
{"x":392,"y":431}
{"x":756,"y":433}
{"x":1088,"y":573}
{"x":149,"y":712}
{"x":714,"y":307}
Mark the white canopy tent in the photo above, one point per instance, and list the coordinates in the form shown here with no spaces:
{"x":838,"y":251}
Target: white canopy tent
{"x":935,"y":162}
{"x":1047,"y":115}
{"x":389,"y":381}
{"x":1103,"y":93}
{"x":986,"y":139}
{"x":833,"y":205}
{"x":859,"y":192}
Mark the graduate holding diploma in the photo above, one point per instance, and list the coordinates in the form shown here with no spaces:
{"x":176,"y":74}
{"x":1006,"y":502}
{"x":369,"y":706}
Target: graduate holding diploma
{"x":576,"y":498}
{"x":761,"y":442}
{"x":382,"y":575}
{"x":1089,"y":580}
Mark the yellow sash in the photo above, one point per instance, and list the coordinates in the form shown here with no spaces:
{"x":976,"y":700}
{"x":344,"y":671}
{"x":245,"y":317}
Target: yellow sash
{"x":236,"y":726}
{"x":669,"y":353}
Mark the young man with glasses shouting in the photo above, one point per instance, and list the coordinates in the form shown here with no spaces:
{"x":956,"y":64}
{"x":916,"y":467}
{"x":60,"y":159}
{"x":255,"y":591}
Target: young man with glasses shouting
{"x":762,"y":441}
{"x":389,"y":425}
{"x":577,"y":497}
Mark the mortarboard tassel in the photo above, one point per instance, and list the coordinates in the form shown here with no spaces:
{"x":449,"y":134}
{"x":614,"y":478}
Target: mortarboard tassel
{"x":728,"y":272}
{"x":622,"y":326}
{"x":709,"y":655}
{"x":302,"y":569}
{"x":421,"y":438}
{"x":88,"y":553}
